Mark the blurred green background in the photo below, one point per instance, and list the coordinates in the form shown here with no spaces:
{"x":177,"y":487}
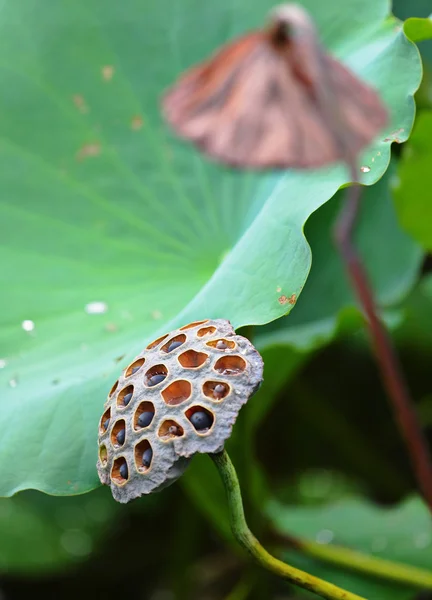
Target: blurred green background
{"x":317,"y":452}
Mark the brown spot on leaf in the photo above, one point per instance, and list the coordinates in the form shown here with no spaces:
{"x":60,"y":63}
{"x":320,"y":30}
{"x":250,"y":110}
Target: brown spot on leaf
{"x":80,"y":103}
{"x":394,"y":136}
{"x":89,"y":150}
{"x":285,"y":300}
{"x":136,"y":123}
{"x":107,"y":72}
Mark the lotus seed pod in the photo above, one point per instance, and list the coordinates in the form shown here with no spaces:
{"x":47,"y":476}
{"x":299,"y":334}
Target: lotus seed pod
{"x":181,"y":395}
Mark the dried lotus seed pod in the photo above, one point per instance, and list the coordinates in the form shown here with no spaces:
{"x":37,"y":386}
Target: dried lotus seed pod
{"x":181,"y":395}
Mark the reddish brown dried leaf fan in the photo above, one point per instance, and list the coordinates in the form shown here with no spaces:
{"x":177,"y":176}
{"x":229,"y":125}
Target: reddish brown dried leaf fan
{"x":275,"y":99}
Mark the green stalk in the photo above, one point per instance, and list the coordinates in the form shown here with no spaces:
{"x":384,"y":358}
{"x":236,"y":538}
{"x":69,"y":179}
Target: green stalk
{"x":249,"y":542}
{"x":241,"y":591}
{"x":364,"y":563}
{"x":337,"y":555}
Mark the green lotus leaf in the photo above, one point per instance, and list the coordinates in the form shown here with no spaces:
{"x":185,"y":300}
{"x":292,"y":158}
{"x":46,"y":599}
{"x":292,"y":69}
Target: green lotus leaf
{"x":412,"y":188}
{"x":114,"y":231}
{"x":402,"y":534}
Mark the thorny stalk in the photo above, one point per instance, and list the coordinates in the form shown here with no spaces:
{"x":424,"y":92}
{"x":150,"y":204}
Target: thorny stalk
{"x":388,"y":363}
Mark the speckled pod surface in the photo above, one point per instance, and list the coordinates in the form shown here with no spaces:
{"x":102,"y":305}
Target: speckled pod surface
{"x":181,"y":395}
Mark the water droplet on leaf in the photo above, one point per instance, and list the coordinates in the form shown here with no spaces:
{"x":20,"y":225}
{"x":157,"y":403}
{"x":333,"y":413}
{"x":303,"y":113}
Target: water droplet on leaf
{"x":28,"y":325}
{"x":325,"y":536}
{"x":96,"y":308}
